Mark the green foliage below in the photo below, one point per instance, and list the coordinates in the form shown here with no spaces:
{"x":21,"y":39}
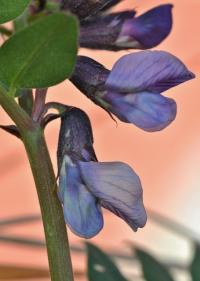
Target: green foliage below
{"x":195,"y":264}
{"x":40,"y":55}
{"x":152,"y":269}
{"x":10,"y":9}
{"x":101,"y":267}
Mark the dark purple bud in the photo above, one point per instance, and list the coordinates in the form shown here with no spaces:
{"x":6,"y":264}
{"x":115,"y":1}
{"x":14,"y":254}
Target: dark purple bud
{"x":75,"y":137}
{"x":89,"y":77}
{"x":103,"y":32}
{"x":123,"y":30}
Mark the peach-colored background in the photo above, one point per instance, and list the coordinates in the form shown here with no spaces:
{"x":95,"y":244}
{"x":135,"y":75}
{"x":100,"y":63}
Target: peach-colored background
{"x":168,"y":161}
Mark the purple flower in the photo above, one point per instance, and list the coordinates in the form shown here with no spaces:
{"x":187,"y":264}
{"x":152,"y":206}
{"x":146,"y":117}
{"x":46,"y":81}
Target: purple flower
{"x":132,"y":89}
{"x":86,"y":185}
{"x":123,"y":30}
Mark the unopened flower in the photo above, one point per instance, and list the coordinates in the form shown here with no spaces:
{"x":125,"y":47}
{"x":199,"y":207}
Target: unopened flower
{"x":86,"y":185}
{"x":132,"y":89}
{"x":123,"y":30}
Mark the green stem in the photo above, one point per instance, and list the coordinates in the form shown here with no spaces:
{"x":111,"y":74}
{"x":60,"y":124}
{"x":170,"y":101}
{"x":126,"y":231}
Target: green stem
{"x":16,"y":113}
{"x":52,"y":213}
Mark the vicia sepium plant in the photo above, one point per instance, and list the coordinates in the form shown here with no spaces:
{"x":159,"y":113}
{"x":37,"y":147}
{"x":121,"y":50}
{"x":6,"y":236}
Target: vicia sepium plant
{"x":41,"y":51}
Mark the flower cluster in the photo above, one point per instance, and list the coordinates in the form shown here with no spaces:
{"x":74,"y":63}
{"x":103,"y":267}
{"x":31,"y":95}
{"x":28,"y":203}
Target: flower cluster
{"x":132,"y":91}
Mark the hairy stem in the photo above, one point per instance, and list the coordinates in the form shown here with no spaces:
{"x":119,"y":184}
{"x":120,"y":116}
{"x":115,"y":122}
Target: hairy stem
{"x":52,"y":213}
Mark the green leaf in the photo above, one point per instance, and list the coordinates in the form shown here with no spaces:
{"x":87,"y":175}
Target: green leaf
{"x":10,"y":9}
{"x":101,"y":267}
{"x":40,"y":55}
{"x":152,"y":269}
{"x":21,"y":21}
{"x":195,"y":264}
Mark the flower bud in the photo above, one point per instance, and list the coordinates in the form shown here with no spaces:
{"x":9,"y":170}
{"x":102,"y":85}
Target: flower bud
{"x":89,"y":77}
{"x":75,"y":137}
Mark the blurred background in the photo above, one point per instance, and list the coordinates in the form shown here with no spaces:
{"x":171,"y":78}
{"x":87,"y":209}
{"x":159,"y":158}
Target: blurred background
{"x":168,"y":164}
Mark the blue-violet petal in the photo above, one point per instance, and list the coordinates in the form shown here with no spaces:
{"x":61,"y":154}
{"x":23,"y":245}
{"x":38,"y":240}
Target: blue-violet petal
{"x":153,"y":71}
{"x":81,"y":209}
{"x":118,"y":188}
{"x":148,"y":111}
